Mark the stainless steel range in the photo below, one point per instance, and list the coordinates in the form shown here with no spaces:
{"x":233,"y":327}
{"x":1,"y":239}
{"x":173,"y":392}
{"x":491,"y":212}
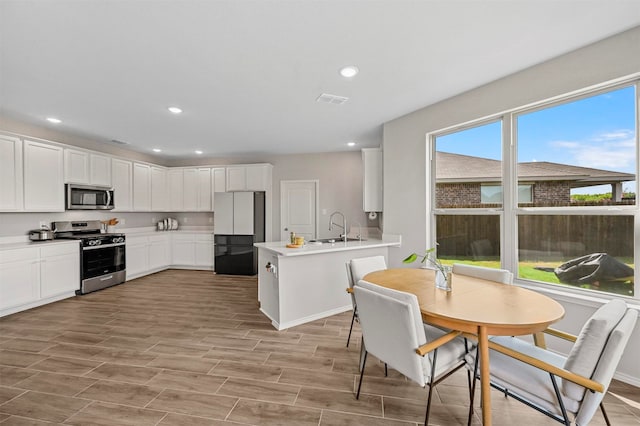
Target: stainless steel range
{"x":102,"y":256}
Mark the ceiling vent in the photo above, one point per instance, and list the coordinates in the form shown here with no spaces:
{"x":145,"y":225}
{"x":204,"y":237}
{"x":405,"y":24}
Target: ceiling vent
{"x":119,"y":142}
{"x":326,"y":98}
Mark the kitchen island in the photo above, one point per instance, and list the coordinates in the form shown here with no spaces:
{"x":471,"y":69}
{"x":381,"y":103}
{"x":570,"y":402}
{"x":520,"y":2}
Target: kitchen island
{"x":300,"y":285}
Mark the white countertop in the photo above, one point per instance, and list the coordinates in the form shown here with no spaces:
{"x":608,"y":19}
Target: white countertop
{"x":12,"y":243}
{"x":279,"y":247}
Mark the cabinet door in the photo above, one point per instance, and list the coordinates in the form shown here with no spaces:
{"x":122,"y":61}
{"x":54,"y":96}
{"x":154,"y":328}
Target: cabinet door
{"x":141,"y":187}
{"x":372,"y":179}
{"x":43,"y":177}
{"x":223,"y":214}
{"x":204,"y":251}
{"x":190,"y":190}
{"x":219,"y":179}
{"x":100,"y":170}
{"x":176,"y":190}
{"x":59,"y":270}
{"x":19,"y":277}
{"x":183,"y":249}
{"x":122,"y":172}
{"x":76,"y":166}
{"x":10,"y":174}
{"x":137,"y":256}
{"x":159,"y":252}
{"x":243,"y":213}
{"x":256,"y":178}
{"x":159,"y":192}
{"x":204,"y":189}
{"x":236,"y":178}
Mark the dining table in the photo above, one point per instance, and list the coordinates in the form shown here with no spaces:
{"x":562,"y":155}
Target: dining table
{"x":475,"y":306}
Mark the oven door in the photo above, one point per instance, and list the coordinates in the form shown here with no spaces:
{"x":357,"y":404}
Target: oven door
{"x":101,"y":260}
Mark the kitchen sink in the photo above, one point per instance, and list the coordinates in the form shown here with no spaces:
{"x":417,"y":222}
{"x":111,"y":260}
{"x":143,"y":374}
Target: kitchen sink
{"x":334,"y":240}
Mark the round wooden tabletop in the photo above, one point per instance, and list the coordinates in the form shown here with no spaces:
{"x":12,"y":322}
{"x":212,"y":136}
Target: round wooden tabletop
{"x":503,"y":309}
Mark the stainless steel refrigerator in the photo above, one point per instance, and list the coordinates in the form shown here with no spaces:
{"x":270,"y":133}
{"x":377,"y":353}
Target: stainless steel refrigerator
{"x":238,"y":223}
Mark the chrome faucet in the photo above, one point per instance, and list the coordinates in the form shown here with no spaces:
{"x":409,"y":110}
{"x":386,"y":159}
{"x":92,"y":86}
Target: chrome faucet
{"x":343,"y":226}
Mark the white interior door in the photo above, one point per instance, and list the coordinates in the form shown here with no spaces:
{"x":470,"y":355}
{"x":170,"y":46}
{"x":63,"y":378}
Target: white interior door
{"x":298,"y":209}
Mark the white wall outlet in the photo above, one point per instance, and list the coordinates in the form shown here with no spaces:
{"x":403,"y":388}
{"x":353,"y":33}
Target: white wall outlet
{"x":122,"y":222}
{"x":43,"y":224}
{"x":185,"y":219}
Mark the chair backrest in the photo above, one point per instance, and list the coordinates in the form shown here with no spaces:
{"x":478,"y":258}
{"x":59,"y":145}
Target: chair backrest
{"x":364,"y":265}
{"x":607,"y":365}
{"x":392,"y":328}
{"x":490,"y":274}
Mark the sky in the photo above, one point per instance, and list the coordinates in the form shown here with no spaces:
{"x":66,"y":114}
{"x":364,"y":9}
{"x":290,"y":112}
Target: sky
{"x":597,"y":132}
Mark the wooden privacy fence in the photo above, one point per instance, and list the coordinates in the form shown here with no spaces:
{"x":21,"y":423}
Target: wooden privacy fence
{"x":563,"y":236}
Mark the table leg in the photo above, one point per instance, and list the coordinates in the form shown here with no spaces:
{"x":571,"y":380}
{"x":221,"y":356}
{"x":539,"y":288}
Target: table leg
{"x":538,"y":339}
{"x":483,"y":352}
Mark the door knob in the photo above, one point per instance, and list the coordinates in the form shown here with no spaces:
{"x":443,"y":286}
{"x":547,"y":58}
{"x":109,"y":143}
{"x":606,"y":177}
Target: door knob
{"x":286,"y":229}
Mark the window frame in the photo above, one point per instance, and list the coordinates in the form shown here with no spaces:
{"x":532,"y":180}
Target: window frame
{"x":510,"y":210}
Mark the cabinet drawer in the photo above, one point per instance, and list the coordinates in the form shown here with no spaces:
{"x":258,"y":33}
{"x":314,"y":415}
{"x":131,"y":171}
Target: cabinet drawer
{"x":20,"y":255}
{"x":60,"y":249}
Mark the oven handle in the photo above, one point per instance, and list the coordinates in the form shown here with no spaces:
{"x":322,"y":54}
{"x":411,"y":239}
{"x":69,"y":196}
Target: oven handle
{"x":103,"y":246}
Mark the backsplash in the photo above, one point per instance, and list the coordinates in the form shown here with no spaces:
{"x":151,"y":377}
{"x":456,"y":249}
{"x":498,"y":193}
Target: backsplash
{"x":14,"y":224}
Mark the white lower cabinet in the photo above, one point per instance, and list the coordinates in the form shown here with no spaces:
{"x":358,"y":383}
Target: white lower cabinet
{"x":159,"y":252}
{"x":137,"y":256}
{"x":59,"y":269}
{"x":147,"y":254}
{"x":34,"y":276}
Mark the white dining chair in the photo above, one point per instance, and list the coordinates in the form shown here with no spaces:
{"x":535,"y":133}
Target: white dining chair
{"x":558,"y":386}
{"x":484,"y":273}
{"x":393,"y":331}
{"x":356,"y":270}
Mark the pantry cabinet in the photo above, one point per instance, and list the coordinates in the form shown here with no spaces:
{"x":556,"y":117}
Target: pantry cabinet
{"x":43,"y":177}
{"x":11,"y":192}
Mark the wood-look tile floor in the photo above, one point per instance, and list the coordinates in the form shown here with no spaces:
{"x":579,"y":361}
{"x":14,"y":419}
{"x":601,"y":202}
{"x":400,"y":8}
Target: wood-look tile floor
{"x":192,"y":348}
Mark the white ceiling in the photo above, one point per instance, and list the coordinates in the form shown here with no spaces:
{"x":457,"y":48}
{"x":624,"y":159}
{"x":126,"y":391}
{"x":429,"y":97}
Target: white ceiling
{"x":247,"y":73}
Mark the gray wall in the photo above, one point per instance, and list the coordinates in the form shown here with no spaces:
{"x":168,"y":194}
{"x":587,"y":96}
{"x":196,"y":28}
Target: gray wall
{"x":405,"y":149}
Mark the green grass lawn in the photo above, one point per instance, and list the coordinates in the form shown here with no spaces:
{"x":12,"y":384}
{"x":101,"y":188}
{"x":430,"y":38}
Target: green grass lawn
{"x":528,"y":271}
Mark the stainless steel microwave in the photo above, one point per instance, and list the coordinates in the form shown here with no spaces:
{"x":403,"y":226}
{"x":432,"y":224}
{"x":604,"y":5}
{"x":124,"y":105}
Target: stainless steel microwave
{"x":85,"y":197}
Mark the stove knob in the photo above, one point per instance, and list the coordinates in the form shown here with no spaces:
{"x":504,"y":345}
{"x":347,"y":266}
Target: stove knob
{"x":98,"y":242}
{"x":91,"y":243}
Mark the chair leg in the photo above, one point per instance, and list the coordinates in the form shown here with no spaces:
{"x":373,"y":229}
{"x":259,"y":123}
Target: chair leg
{"x":604,"y":413}
{"x":353,"y":318}
{"x":364,"y":361}
{"x":430,"y":384}
{"x":562,"y":409}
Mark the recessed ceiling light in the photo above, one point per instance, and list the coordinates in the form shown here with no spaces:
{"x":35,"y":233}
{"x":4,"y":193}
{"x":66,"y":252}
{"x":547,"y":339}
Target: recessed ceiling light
{"x":175,"y":110}
{"x":157,"y":150}
{"x":54,"y":120}
{"x":349,"y":71}
{"x":198,"y":152}
{"x":351,"y":143}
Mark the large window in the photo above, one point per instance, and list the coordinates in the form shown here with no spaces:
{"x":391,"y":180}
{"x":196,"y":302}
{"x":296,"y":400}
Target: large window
{"x":566,"y":204}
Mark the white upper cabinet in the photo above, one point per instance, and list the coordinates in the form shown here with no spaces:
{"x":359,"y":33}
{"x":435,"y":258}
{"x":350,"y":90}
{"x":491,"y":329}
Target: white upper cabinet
{"x":219,"y":176}
{"x":43,"y":177}
{"x":190,"y":190}
{"x":159,"y":189}
{"x":86,"y":168}
{"x":253,"y":177}
{"x":141,"y":187}
{"x":99,"y":170}
{"x":372,"y":179}
{"x":10,"y":174}
{"x":176,"y":190}
{"x":122,"y":172}
{"x":204,"y":190}
{"x":76,"y":166}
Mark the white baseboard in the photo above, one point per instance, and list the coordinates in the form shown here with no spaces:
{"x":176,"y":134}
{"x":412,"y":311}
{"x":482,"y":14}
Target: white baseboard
{"x":35,"y":304}
{"x":314,"y":317}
